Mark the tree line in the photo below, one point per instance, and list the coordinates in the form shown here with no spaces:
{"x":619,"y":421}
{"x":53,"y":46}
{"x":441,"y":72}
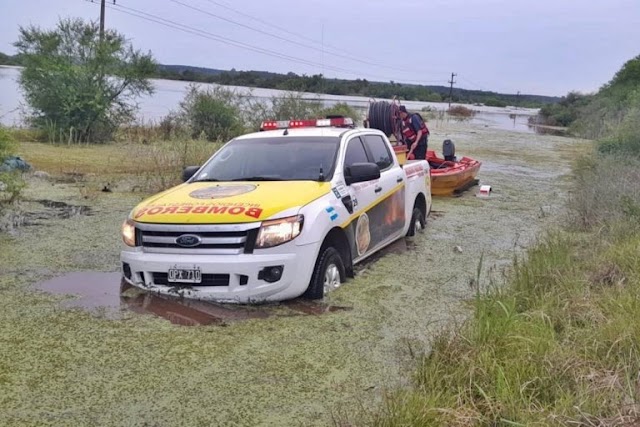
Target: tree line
{"x":317,"y":83}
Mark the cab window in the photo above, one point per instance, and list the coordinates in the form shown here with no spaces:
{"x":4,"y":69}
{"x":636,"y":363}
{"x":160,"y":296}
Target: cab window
{"x":379,"y":151}
{"x":355,"y":153}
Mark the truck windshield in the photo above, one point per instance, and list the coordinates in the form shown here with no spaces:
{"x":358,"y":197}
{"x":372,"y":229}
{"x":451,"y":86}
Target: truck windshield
{"x":285,"y":158}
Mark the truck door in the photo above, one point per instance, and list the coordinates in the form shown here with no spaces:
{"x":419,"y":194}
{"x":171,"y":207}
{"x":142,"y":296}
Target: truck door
{"x":362,"y":197}
{"x":388,"y":215}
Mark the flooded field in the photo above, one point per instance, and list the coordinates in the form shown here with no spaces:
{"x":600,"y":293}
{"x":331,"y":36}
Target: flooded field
{"x":169,"y":93}
{"x":78,"y":348}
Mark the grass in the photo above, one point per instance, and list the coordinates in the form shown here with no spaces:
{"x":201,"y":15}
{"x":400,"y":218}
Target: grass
{"x":560,"y":346}
{"x":148,"y":167}
{"x":559,"y":342}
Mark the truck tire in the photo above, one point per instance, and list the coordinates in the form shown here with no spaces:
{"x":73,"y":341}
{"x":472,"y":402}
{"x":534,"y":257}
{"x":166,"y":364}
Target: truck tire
{"x":328,"y":272}
{"x":418,"y":222}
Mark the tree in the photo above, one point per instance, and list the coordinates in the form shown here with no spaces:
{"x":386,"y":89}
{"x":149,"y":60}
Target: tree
{"x":78,"y":86}
{"x":213,"y":113}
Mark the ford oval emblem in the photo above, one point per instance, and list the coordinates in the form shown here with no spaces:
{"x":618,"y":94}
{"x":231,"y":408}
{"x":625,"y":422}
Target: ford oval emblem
{"x":188,"y":240}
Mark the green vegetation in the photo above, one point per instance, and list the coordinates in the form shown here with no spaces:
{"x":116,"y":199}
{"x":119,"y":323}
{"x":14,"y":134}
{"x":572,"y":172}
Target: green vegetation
{"x":211,"y":113}
{"x":563,"y":113}
{"x":11,"y":182}
{"x":78,"y":87}
{"x":317,"y":83}
{"x":10,"y":60}
{"x":218,"y":114}
{"x":613,"y":110}
{"x":559,"y":342}
{"x":7,"y":145}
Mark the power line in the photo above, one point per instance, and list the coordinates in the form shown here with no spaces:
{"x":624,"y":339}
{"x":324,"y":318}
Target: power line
{"x":205,"y":34}
{"x":288,"y":40}
{"x":361,"y":59}
{"x":211,"y":36}
{"x":498,"y":89}
{"x":262,"y":21}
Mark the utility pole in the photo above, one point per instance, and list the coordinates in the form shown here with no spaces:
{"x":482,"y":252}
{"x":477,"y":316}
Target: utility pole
{"x":102,"y":7}
{"x":517,"y":100}
{"x":451,"y":88}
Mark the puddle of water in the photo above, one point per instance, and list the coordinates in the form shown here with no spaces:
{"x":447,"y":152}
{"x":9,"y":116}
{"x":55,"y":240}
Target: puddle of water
{"x":53,"y":210}
{"x":108,"y":294}
{"x":95,"y":289}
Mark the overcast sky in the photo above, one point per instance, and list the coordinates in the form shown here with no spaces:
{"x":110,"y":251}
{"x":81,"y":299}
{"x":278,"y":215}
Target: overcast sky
{"x":544,"y":47}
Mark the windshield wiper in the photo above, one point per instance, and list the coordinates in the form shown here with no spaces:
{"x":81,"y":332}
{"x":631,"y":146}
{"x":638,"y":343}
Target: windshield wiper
{"x":206,"y":180}
{"x":259,"y":178}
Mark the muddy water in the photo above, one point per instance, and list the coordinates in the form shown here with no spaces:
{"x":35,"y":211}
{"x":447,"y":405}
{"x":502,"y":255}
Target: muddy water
{"x":108,"y":295}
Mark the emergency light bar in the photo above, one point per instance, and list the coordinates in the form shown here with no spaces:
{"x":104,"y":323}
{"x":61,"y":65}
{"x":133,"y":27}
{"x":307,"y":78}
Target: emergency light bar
{"x":290,"y":124}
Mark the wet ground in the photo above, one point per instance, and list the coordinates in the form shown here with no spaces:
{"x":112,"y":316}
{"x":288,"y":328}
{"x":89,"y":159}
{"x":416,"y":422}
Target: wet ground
{"x":66,"y":361}
{"x":39,"y":213}
{"x":107,"y":295}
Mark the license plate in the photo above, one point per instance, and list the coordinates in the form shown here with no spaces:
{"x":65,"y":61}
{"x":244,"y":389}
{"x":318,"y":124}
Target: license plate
{"x":184,"y":275}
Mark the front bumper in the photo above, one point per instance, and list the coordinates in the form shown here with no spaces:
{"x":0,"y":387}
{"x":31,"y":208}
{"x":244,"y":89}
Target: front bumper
{"x":142,"y":269}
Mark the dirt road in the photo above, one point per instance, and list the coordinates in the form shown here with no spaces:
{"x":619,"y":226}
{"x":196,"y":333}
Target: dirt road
{"x":63,"y":366}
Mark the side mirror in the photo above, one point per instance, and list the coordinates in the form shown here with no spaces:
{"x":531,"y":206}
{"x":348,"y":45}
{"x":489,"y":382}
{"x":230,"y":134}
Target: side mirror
{"x":361,"y":172}
{"x":188,"y":172}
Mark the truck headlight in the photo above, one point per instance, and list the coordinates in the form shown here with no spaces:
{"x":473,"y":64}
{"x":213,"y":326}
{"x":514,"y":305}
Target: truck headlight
{"x":129,"y":233}
{"x":279,"y":231}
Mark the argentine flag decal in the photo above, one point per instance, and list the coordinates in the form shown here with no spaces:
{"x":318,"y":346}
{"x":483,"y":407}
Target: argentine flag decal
{"x":333,"y":215}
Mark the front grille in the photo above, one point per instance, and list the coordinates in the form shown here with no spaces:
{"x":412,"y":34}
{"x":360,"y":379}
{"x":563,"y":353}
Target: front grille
{"x":207,"y":280}
{"x":214,"y":239}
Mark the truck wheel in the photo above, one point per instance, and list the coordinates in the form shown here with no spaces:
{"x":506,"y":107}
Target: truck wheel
{"x":329,"y":273}
{"x":418,"y":222}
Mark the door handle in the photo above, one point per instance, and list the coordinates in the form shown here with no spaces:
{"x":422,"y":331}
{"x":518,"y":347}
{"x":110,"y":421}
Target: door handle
{"x":399,"y":179}
{"x":378,"y":189}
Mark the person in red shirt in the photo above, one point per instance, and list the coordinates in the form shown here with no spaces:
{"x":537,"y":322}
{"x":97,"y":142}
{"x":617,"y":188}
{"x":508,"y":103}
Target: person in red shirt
{"x":415,"y":133}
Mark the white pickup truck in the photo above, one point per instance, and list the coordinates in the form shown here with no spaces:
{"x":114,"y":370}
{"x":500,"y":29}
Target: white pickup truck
{"x":276,"y":214}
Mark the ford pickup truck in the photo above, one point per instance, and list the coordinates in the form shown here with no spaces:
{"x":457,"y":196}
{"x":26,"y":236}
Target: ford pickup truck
{"x":276,"y":214}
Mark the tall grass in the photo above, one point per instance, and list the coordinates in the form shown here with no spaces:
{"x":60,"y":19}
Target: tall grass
{"x":607,"y":190}
{"x":559,"y":346}
{"x":559,"y":342}
{"x":160,"y":164}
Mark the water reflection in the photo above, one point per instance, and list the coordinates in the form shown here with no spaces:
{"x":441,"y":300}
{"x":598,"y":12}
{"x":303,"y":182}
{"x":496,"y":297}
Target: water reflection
{"x":109,"y":295}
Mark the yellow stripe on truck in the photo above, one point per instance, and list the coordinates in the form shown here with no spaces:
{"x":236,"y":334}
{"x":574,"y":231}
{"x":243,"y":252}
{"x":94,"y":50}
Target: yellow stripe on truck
{"x":371,"y":206}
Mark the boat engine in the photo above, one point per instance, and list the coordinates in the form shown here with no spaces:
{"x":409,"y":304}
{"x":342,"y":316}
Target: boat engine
{"x":449,"y":150}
